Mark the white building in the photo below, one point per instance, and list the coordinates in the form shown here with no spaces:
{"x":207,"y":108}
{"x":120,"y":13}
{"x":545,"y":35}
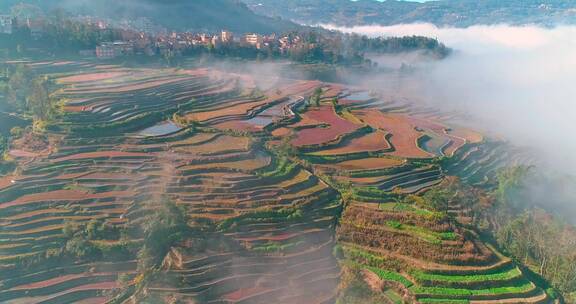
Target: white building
{"x":216,"y":41}
{"x":5,"y":24}
{"x":254,"y":39}
{"x":114,"y":49}
{"x":205,"y":38}
{"x":227,"y":37}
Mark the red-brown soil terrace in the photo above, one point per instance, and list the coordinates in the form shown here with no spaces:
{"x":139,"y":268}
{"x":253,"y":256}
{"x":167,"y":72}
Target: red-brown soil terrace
{"x":273,"y":219}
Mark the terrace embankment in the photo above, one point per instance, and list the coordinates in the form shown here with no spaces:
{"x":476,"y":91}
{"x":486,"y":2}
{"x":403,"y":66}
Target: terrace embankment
{"x":419,"y":251}
{"x":271,"y":222}
{"x":265,"y":174}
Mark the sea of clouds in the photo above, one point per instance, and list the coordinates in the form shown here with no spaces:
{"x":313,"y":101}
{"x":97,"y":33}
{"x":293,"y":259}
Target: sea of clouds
{"x":517,"y":81}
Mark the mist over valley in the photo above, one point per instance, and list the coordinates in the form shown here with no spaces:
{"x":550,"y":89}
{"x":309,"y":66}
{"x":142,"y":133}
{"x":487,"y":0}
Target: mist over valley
{"x":323,"y":152}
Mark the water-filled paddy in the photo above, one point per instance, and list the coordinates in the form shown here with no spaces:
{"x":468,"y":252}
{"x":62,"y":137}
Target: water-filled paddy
{"x":163,"y":128}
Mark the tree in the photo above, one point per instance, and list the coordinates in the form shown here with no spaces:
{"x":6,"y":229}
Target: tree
{"x":164,"y":228}
{"x":124,"y":280}
{"x":438,"y":198}
{"x":18,"y":87}
{"x":169,"y":58}
{"x":71,"y":228}
{"x":285,"y":149}
{"x":544,"y":242}
{"x":335,"y":102}
{"x":317,"y":96}
{"x":26,"y":92}
{"x":38,"y":101}
{"x":3,"y":144}
{"x":81,"y":248}
{"x":511,"y":184}
{"x":23,"y":11}
{"x":99,"y":229}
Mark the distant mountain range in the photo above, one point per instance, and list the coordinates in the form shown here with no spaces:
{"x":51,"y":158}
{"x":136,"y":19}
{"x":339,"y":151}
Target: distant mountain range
{"x":459,"y":13}
{"x":267,"y":16}
{"x":211,"y":15}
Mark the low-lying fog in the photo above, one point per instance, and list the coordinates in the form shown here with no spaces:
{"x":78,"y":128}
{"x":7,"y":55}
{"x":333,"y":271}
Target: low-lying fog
{"x":519,"y":82}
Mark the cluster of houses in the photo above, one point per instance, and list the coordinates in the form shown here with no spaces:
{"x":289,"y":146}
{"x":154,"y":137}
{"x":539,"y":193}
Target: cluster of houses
{"x":140,"y":43}
{"x":140,"y":36}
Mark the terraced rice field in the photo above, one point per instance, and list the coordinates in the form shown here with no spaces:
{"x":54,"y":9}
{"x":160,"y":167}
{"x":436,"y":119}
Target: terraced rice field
{"x":366,"y":164}
{"x":273,"y":218}
{"x":373,"y":142}
{"x":105,"y":169}
{"x":332,"y":127}
{"x":404,"y":136}
{"x":91,"y":77}
{"x":430,"y":261}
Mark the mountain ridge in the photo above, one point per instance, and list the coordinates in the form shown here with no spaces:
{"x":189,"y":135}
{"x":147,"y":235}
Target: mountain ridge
{"x":211,"y":15}
{"x":457,"y":13}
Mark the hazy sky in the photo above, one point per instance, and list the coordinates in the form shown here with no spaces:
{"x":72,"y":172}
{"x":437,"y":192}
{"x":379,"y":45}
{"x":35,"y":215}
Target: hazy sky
{"x":411,"y":0}
{"x":406,"y":0}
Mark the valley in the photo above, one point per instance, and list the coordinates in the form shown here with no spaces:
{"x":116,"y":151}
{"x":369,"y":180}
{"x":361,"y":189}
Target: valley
{"x":196,"y":186}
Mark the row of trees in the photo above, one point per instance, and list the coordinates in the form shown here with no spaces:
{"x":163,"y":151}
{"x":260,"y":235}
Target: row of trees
{"x":148,"y":240}
{"x":399,"y":45}
{"x":166,"y":225}
{"x":27,"y":92}
{"x":59,"y":33}
{"x":23,"y":93}
{"x":5,"y":166}
{"x":452,"y":194}
{"x":532,"y":236}
{"x":62,"y":34}
{"x":546,"y":243}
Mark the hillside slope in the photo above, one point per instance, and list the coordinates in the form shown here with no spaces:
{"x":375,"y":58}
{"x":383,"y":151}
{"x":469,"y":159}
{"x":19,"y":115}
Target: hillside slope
{"x":175,"y":186}
{"x":458,"y":13}
{"x":210,"y":15}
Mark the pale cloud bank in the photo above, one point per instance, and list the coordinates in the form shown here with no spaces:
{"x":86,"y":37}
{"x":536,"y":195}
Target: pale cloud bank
{"x":518,"y":81}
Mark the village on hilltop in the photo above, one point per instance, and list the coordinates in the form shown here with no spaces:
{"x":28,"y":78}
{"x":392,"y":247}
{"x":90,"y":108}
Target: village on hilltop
{"x":142,"y":37}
